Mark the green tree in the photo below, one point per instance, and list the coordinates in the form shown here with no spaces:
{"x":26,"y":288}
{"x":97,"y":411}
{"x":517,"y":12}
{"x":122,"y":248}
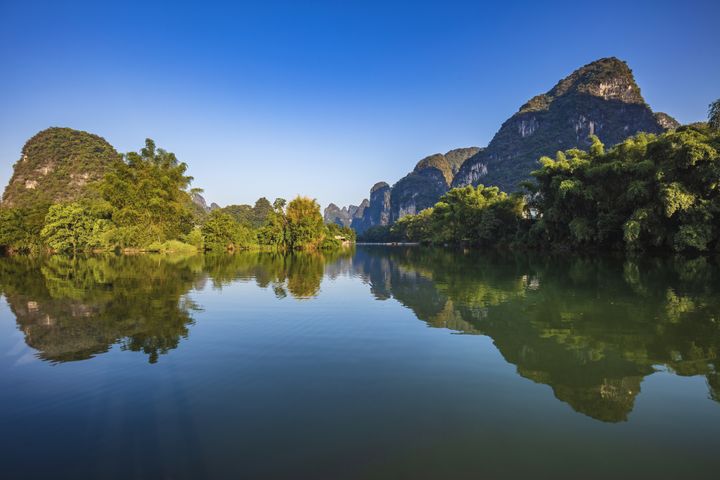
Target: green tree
{"x":261,"y":211}
{"x":149,"y":197}
{"x":222,"y":232}
{"x":480,"y":216}
{"x":647,"y":192}
{"x":275,"y":231}
{"x":304,"y":223}
{"x":20,"y":227}
{"x":69,"y":228}
{"x":714,"y":114}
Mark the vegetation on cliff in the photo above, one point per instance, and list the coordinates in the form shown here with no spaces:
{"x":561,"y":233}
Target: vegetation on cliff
{"x":649,"y":192}
{"x":58,"y":165}
{"x":601,"y":99}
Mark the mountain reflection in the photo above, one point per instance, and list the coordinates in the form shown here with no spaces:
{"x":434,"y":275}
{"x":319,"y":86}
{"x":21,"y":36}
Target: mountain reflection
{"x":74,"y":309}
{"x":589,"y":328}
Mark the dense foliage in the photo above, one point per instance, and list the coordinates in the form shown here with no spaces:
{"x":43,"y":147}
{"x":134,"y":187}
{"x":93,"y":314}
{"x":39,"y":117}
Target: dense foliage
{"x":148,"y":199}
{"x":471,"y":215}
{"x":144,"y":202}
{"x":57,"y":165}
{"x":222,"y":232}
{"x":253,"y":217}
{"x":648,"y":192}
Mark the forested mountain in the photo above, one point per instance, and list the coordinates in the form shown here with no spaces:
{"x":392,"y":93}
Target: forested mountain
{"x":58,"y":164}
{"x":600,"y":99}
{"x":418,"y":190}
{"x":648,"y":193}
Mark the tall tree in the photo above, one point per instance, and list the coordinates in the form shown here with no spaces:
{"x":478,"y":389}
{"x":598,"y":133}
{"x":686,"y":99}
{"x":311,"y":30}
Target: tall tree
{"x":222,"y":232}
{"x":305,"y":223}
{"x":149,"y":197}
{"x":68,"y":228}
{"x":714,"y":114}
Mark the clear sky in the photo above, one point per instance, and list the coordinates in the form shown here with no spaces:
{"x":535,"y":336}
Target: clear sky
{"x":325,"y":98}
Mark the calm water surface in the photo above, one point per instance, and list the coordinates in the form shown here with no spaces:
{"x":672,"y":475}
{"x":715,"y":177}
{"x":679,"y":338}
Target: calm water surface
{"x":381,"y":362}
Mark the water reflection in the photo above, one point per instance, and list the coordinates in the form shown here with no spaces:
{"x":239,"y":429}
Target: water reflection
{"x":74,"y":309}
{"x":589,"y":328}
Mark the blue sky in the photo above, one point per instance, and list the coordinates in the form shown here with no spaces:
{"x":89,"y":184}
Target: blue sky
{"x":325,"y":98}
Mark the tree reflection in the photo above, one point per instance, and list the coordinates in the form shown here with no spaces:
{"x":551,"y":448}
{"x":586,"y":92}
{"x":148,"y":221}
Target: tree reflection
{"x":298,"y":274}
{"x":590,"y":328}
{"x":73,"y":309}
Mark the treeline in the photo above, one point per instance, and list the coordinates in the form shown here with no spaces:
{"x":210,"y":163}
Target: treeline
{"x":144,"y":202}
{"x":297,"y":225}
{"x":649,"y":192}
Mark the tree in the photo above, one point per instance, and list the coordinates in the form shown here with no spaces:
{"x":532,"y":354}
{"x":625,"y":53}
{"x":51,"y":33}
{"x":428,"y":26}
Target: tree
{"x":480,"y":216}
{"x":275,"y":231}
{"x":304,"y":223}
{"x":68,"y":228}
{"x":222,"y":232}
{"x":714,"y":114}
{"x":647,"y":192}
{"x":260,"y":212}
{"x":149,"y":197}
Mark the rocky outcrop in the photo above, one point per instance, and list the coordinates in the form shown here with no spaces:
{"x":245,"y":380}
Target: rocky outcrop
{"x":430,"y":179}
{"x":57,"y":165}
{"x":346,"y":215}
{"x":377,"y":210}
{"x":335,"y":214}
{"x":666,"y":121}
{"x":600,"y":99}
{"x":199,"y":201}
{"x":420,"y":189}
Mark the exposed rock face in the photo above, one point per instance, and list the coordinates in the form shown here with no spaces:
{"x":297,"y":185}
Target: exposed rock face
{"x":374,"y":212}
{"x":377,"y":211}
{"x":199,"y":202}
{"x":335,"y":214}
{"x":600,"y":99}
{"x":344,"y":216}
{"x":666,"y":121}
{"x":430,"y":179}
{"x":418,"y":190}
{"x":56,"y":165}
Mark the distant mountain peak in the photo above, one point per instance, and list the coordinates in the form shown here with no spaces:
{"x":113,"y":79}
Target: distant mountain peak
{"x":378,"y":186}
{"x":600,"y":98}
{"x":607,"y":78}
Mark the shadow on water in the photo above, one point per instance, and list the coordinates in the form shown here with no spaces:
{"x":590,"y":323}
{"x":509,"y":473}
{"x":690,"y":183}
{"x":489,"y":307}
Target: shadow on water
{"x":590,"y":328}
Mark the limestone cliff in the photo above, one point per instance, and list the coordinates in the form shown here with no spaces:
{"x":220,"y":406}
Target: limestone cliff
{"x":600,"y":99}
{"x":430,"y":179}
